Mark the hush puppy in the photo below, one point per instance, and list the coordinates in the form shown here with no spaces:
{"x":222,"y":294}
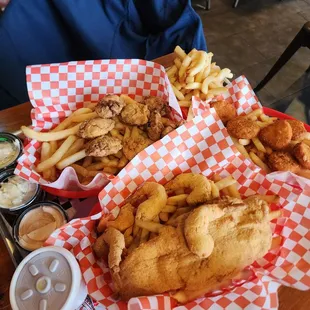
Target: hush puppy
{"x":282,"y":161}
{"x":302,"y":153}
{"x":242,"y":128}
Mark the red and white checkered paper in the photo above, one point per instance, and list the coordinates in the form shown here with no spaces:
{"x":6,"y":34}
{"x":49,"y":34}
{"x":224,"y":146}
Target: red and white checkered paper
{"x":201,"y":146}
{"x":57,"y":90}
{"x":242,"y":96}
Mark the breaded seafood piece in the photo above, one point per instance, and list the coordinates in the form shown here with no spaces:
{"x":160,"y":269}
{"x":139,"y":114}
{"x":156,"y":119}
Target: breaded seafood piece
{"x":109,"y":106}
{"x":103,"y":146}
{"x":298,"y":129}
{"x":155,"y":104}
{"x":155,"y":126}
{"x":135,"y":144}
{"x":95,"y":127}
{"x":242,"y":128}
{"x":225,"y":110}
{"x":277,"y":135}
{"x":135,"y":114}
{"x":282,"y":161}
{"x":302,"y":153}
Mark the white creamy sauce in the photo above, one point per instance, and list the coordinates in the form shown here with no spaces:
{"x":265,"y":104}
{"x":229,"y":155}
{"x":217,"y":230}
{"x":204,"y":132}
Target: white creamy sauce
{"x":16,"y":191}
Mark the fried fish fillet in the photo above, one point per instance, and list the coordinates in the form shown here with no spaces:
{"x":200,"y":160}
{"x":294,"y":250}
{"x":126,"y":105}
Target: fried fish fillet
{"x":240,"y":233}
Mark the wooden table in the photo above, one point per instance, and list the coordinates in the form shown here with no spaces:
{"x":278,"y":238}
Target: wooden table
{"x":10,"y":121}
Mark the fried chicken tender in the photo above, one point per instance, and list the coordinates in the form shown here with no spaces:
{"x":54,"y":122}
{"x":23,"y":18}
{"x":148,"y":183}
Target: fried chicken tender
{"x":95,"y":127}
{"x":282,"y":161}
{"x":242,"y":128}
{"x":302,"y":152}
{"x":125,"y":218}
{"x":225,"y":110}
{"x":241,"y":234}
{"x":135,"y":114}
{"x":155,"y":126}
{"x":298,"y":129}
{"x":134,"y":144}
{"x":155,"y":104}
{"x":103,"y":146}
{"x":109,"y":106}
{"x":278,"y":135}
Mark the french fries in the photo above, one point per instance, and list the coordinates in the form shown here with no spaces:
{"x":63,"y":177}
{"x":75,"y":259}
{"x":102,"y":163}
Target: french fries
{"x":52,"y":161}
{"x":49,"y":136}
{"x":71,"y":141}
{"x":196,"y":73}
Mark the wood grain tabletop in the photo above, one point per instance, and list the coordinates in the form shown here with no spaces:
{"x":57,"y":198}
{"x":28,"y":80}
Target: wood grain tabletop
{"x":10,"y":121}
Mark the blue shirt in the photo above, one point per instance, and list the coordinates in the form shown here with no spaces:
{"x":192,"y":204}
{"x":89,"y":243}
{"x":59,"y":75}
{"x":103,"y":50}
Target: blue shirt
{"x":50,"y":31}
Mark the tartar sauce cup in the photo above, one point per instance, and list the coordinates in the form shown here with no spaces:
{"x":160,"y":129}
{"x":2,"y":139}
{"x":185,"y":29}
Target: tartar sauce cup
{"x":34,"y":235}
{"x":48,"y":278}
{"x":11,"y":148}
{"x":16,"y":193}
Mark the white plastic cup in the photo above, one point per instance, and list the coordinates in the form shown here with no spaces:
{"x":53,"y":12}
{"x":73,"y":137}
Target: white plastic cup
{"x":34,"y":282}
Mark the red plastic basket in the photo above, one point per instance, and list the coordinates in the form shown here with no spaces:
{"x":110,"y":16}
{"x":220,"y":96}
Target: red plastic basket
{"x":72,"y":194}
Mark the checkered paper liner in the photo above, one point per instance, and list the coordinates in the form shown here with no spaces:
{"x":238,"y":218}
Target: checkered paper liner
{"x":242,"y":96}
{"x":57,"y":90}
{"x":201,"y":146}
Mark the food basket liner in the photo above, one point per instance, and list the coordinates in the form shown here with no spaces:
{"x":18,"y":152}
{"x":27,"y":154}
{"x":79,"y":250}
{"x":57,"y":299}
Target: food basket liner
{"x":57,"y":90}
{"x":200,"y":146}
{"x":241,"y":94}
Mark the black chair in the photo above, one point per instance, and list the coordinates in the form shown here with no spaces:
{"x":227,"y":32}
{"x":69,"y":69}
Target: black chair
{"x":302,"y":39}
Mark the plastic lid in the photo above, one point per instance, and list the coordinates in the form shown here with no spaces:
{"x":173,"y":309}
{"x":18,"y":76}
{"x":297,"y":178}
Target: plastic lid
{"x":48,"y":278}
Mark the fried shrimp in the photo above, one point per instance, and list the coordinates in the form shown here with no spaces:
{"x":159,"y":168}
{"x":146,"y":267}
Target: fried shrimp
{"x":225,"y":110}
{"x":242,"y":128}
{"x":151,"y":198}
{"x":200,"y":187}
{"x":282,"y":161}
{"x":125,"y":219}
{"x":302,"y":153}
{"x":298,"y":129}
{"x":277,"y":135}
{"x":198,"y":239}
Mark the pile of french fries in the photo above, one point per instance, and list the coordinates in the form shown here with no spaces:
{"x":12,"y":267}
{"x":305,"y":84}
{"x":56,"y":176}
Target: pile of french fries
{"x":62,"y":147}
{"x":255,"y":150}
{"x":194,"y":74}
{"x":142,"y":231}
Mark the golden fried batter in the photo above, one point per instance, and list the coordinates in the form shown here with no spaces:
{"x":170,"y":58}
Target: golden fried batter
{"x":135,"y":114}
{"x":302,"y":152}
{"x":95,"y":127}
{"x":277,"y":135}
{"x":135,"y":144}
{"x":167,"y":130}
{"x":298,"y":129}
{"x":282,"y":161}
{"x":155,"y":104}
{"x":103,"y":146}
{"x":241,"y":234}
{"x":109,"y":106}
{"x":225,"y":110}
{"x":155,"y":126}
{"x":242,"y":128}
{"x":125,"y":219}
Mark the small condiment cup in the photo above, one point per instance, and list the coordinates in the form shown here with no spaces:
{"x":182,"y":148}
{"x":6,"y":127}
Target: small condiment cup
{"x":17,"y":222}
{"x":38,"y":193}
{"x":17,"y":142}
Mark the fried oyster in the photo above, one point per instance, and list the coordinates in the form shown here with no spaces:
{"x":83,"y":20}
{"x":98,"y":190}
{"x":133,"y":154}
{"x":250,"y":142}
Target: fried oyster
{"x":95,"y":127}
{"x":135,"y":114}
{"x":109,"y":106}
{"x":103,"y":146}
